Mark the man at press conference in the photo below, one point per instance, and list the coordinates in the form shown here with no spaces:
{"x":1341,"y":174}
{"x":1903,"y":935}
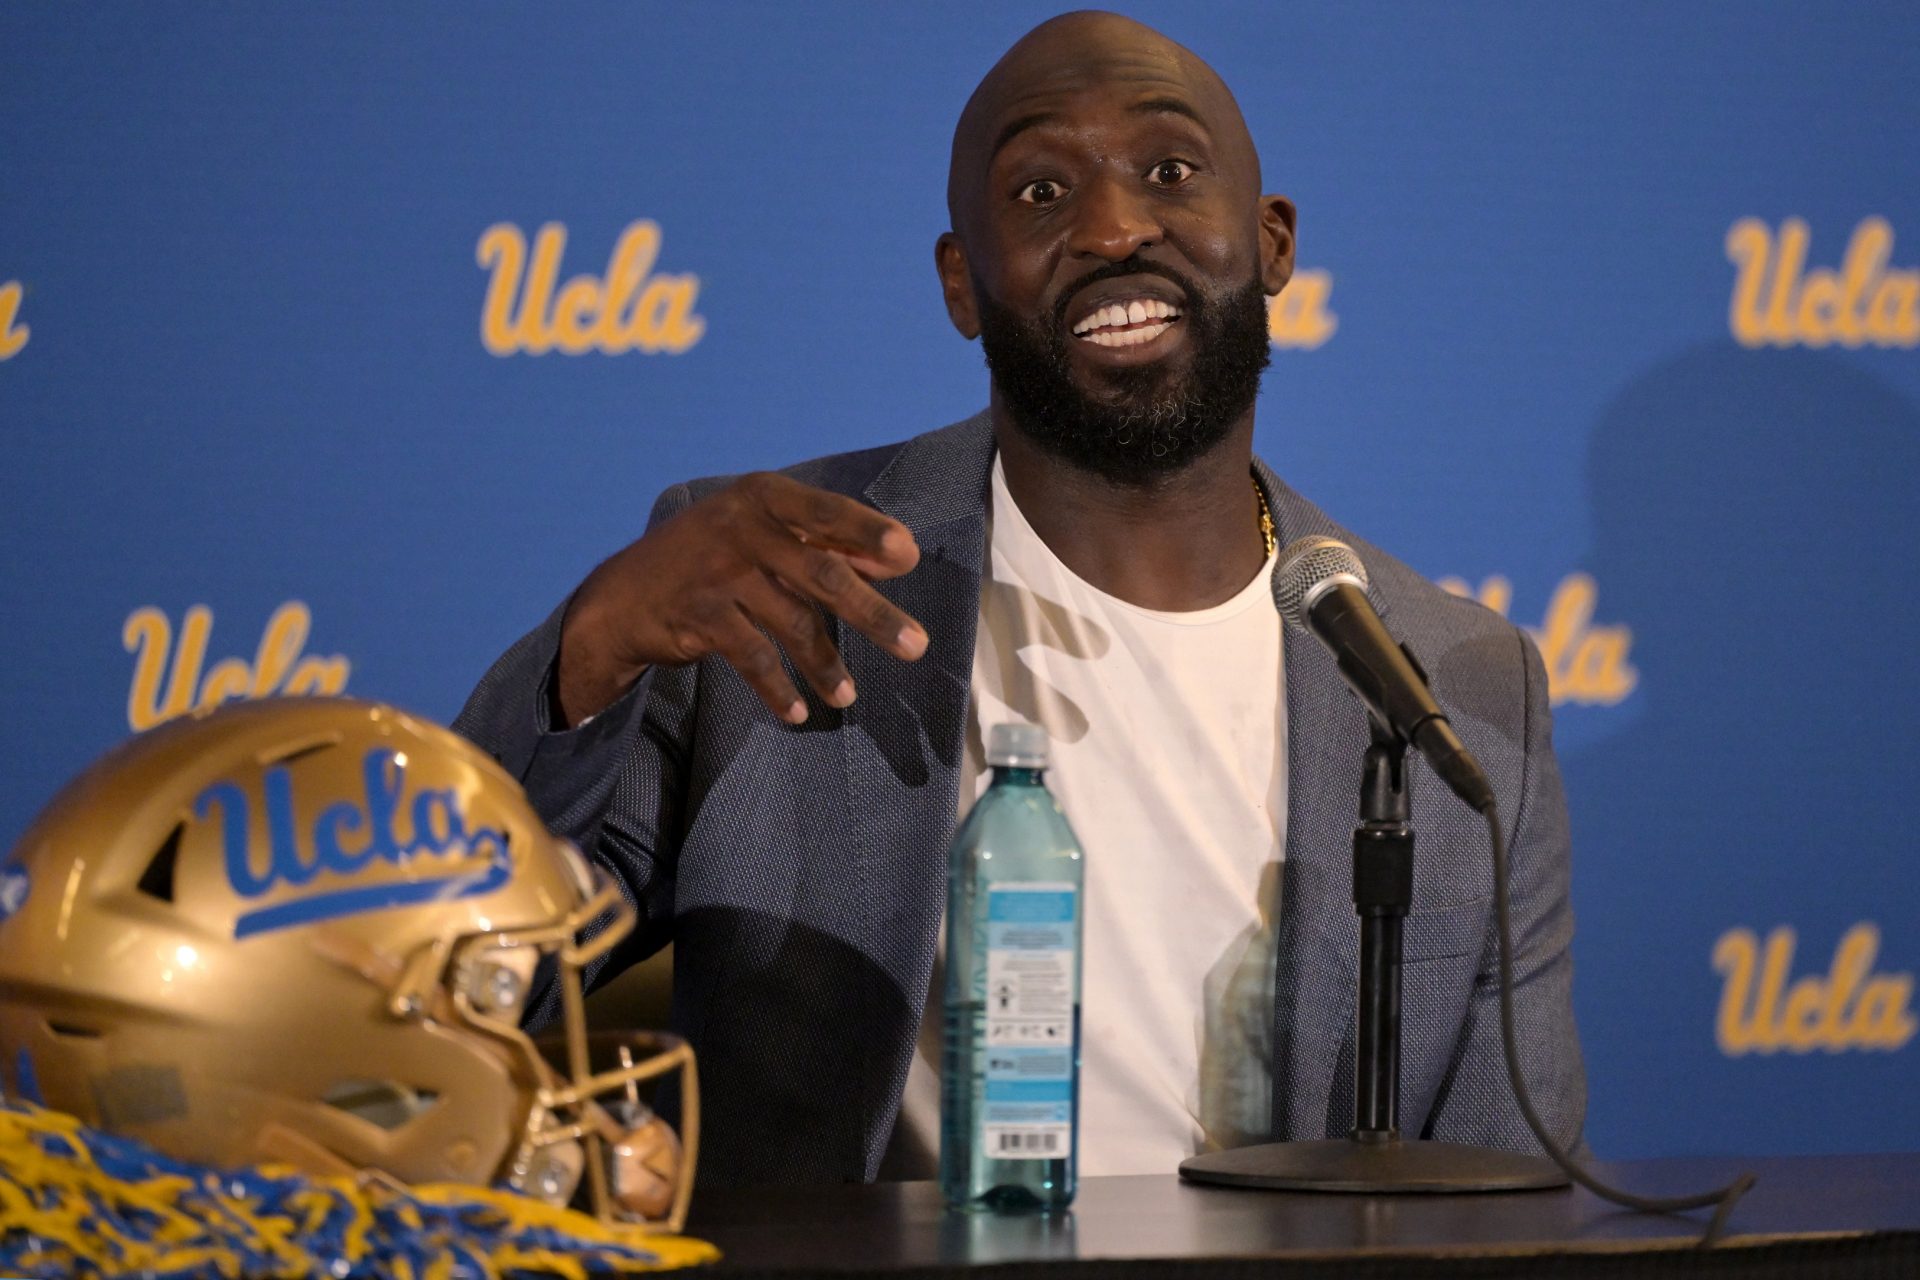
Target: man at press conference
{"x":765,"y":716}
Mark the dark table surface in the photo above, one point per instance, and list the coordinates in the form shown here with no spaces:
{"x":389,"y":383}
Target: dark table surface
{"x":902,"y":1225}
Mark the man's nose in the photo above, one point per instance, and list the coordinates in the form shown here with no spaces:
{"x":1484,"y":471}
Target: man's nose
{"x":1115,"y":220}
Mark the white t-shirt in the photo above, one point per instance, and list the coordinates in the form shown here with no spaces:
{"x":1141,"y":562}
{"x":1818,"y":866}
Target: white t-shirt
{"x":1169,"y":757}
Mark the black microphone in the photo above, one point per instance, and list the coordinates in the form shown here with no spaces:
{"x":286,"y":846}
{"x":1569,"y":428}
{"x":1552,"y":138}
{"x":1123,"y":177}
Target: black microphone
{"x":1320,"y":586}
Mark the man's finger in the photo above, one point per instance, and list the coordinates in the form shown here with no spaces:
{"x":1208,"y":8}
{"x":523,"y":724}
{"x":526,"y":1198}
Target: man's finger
{"x":868,"y":568}
{"x":838,"y":523}
{"x":826,"y":576}
{"x":740,"y":643}
{"x":797,"y":627}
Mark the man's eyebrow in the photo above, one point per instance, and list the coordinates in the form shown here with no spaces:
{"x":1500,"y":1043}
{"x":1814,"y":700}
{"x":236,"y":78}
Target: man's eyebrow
{"x":1168,"y":106}
{"x":1147,"y":106}
{"x":1019,"y":126}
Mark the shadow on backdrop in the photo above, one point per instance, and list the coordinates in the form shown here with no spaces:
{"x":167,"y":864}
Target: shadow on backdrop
{"x":1755,"y":524}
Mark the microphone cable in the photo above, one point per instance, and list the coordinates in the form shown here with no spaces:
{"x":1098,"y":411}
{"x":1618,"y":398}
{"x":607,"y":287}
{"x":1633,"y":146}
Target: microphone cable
{"x":1724,"y":1197}
{"x":1396,"y":694}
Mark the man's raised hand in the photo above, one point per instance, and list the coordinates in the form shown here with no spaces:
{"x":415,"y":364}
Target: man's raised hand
{"x":734,"y":574}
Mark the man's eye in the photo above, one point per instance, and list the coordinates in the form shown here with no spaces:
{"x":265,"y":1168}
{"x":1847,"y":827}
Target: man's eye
{"x":1170,"y":173}
{"x":1043,"y":191}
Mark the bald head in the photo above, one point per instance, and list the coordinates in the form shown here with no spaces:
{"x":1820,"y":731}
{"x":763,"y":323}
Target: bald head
{"x":1071,"y":54}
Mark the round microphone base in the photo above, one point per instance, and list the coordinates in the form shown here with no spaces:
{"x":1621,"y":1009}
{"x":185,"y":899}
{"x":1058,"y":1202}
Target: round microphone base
{"x":1346,"y":1164}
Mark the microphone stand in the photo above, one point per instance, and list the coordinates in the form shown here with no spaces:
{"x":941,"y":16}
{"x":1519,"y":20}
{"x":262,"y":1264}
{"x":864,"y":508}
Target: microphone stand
{"x":1374,"y":1157}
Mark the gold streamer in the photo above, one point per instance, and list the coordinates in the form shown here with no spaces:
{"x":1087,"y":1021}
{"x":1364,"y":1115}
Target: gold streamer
{"x":75,"y":1201}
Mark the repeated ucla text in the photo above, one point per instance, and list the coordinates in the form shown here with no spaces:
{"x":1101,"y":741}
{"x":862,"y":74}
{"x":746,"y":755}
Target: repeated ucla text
{"x":1778,"y":301}
{"x":280,"y":664}
{"x":1298,"y":317}
{"x":357,"y":855}
{"x":1848,"y":1007}
{"x":1587,"y":661}
{"x":630,"y":308}
{"x":13,"y":334}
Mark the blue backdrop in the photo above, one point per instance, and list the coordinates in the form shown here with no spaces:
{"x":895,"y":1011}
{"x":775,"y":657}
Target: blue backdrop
{"x":1605,"y":318}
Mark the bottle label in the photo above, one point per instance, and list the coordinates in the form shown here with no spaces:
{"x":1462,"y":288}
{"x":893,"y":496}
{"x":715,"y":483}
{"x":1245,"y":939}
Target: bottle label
{"x":1030,"y":1047}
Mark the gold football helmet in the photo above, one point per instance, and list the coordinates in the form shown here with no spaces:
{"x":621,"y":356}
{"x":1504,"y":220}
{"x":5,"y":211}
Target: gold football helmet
{"x":304,"y":931}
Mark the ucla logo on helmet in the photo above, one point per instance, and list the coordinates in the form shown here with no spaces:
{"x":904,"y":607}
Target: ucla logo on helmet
{"x":352,"y":859}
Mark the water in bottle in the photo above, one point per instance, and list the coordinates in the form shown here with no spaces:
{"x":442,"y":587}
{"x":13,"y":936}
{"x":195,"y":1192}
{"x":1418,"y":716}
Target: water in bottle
{"x":1010,"y":1078}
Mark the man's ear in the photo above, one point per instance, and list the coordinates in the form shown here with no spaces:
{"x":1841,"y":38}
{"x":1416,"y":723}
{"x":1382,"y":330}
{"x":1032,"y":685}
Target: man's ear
{"x":1277,"y":221}
{"x":956,"y":284}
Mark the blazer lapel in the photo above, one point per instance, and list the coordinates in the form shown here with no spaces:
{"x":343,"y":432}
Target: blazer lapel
{"x":903,"y":767}
{"x":1319,"y":935}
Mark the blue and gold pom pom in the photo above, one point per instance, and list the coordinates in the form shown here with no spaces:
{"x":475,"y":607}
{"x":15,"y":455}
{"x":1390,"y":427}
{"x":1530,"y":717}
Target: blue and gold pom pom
{"x":76,"y":1202}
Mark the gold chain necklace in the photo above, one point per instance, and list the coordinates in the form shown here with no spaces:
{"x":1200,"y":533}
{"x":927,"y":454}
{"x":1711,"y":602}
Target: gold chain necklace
{"x":1266,"y":518}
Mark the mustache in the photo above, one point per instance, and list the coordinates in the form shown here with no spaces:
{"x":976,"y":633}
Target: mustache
{"x":1129,"y":266}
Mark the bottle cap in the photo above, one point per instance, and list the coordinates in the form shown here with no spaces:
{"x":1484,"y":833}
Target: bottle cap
{"x":1017,"y":746}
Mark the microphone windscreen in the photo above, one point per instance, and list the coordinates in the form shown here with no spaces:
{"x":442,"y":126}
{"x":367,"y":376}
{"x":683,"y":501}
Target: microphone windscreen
{"x":1305,"y":571}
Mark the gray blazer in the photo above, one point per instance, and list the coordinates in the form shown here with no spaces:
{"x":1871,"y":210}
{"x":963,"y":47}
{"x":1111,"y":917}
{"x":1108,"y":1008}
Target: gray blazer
{"x":800,"y":871}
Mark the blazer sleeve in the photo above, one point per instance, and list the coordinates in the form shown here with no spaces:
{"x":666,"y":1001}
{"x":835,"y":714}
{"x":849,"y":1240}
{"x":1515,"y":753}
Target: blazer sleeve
{"x":1475,"y":1103}
{"x":613,"y":786}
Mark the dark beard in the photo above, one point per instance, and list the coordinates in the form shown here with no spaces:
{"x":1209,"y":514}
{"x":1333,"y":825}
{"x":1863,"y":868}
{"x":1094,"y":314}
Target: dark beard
{"x":1151,"y":423}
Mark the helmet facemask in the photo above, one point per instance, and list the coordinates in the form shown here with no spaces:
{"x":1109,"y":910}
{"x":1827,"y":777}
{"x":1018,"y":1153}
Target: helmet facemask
{"x":588,"y":1114}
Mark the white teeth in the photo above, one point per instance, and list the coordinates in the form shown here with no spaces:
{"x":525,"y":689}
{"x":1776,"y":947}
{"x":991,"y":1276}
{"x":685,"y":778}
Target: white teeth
{"x":1118,"y":316}
{"x":1128,"y":337}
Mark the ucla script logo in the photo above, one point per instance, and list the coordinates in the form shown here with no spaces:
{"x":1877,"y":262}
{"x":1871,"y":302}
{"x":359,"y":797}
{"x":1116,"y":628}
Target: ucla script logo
{"x":1777,"y":302}
{"x":279,"y":665}
{"x":1851,"y":1007}
{"x":1586,"y":661}
{"x":13,"y":334}
{"x":1297,"y":318}
{"x":630,"y":308}
{"x":354,"y":858}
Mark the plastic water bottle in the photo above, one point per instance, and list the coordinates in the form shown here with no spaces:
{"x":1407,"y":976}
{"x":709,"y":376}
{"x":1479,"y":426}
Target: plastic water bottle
{"x":1010,"y":1079}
